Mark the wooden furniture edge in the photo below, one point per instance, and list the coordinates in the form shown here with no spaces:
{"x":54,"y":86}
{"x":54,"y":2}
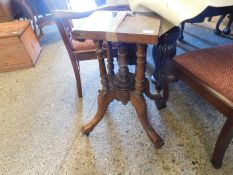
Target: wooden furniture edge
{"x":224,"y":105}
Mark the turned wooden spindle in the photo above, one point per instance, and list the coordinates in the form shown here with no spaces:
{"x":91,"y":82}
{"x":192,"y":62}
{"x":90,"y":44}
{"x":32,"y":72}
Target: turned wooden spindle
{"x":140,"y":70}
{"x":103,"y":72}
{"x":123,"y":71}
{"x":123,"y":79}
{"x":110,"y":59}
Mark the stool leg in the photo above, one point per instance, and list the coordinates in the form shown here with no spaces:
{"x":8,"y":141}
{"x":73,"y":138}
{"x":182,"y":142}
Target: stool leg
{"x":138,"y":99}
{"x":223,"y":142}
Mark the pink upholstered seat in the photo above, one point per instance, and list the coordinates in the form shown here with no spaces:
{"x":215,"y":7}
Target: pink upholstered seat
{"x":83,"y":46}
{"x":212,"y":66}
{"x":88,"y":45}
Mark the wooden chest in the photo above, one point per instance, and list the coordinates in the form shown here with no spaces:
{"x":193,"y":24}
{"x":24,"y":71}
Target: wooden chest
{"x":19,"y":47}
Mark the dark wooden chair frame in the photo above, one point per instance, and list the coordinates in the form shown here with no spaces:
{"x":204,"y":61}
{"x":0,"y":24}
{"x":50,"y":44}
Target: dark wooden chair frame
{"x":227,"y":29}
{"x":210,"y":13}
{"x":218,"y":101}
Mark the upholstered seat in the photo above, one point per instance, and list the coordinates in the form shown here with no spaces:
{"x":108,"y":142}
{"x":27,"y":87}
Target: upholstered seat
{"x":213,"y":66}
{"x":88,"y":45}
{"x":209,"y":72}
{"x":83,"y":46}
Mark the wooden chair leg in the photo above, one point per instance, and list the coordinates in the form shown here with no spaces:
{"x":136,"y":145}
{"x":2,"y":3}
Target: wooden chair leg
{"x":209,"y":19}
{"x":181,"y":37}
{"x":223,"y":142}
{"x":76,"y":68}
{"x":162,"y":103}
{"x":217,"y":31}
{"x":227,"y":30}
{"x":41,"y":33}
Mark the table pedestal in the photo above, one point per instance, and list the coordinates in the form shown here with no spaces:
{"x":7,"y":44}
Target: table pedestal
{"x":124,"y":86}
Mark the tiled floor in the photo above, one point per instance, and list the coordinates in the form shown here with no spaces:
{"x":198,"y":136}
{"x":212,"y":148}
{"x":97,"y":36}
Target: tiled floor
{"x":41,"y":116}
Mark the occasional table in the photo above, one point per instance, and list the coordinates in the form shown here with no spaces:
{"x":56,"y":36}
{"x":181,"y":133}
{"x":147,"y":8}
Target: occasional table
{"x":124,"y":86}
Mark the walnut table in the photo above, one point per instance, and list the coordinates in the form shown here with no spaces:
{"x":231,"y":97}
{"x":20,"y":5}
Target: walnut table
{"x":123,"y":86}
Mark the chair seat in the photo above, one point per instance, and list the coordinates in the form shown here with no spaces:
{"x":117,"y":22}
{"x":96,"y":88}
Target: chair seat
{"x":212,"y":66}
{"x":87,"y":45}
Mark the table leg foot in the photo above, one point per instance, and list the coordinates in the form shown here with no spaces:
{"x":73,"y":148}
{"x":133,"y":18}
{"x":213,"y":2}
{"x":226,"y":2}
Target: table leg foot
{"x":154,"y":97}
{"x":141,"y":108}
{"x":160,"y":104}
{"x":104,"y":100}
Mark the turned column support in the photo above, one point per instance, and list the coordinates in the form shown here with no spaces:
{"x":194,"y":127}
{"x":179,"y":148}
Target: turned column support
{"x":110,"y":59}
{"x":140,"y":69}
{"x":123,"y":79}
{"x":102,"y":67}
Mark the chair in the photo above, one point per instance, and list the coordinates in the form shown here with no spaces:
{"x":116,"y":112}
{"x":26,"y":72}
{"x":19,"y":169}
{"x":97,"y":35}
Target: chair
{"x":209,"y":72}
{"x":227,"y":29}
{"x":217,"y":31}
{"x":39,"y":13}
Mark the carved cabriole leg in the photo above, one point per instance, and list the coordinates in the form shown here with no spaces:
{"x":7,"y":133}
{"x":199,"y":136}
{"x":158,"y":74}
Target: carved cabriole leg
{"x":217,"y":31}
{"x":140,"y":69}
{"x":163,"y":52}
{"x":105,"y":96}
{"x":138,"y":99}
{"x":123,"y":62}
{"x":104,"y":100}
{"x":121,"y":79}
{"x":227,"y":30}
{"x":223,"y":142}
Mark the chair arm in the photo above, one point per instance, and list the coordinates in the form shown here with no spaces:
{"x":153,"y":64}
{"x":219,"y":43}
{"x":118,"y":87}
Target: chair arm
{"x":69,"y":14}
